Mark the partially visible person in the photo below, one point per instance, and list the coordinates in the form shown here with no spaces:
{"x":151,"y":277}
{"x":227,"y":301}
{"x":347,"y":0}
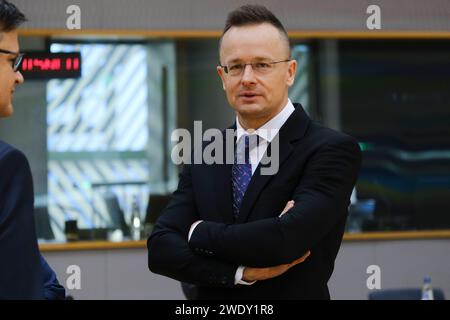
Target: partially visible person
{"x":24,"y":273}
{"x":52,"y":289}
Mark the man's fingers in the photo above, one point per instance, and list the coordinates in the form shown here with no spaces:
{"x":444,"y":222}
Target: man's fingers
{"x":288,"y":206}
{"x":302,"y":258}
{"x":306,"y":255}
{"x":251,"y":274}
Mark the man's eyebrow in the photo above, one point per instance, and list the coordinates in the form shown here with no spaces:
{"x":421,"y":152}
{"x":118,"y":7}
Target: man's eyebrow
{"x":9,"y":52}
{"x":235,"y":60}
{"x":253,"y":59}
{"x":262,"y":59}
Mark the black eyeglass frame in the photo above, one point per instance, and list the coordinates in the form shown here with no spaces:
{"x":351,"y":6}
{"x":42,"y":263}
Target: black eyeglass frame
{"x":17,"y":60}
{"x":226,"y":68}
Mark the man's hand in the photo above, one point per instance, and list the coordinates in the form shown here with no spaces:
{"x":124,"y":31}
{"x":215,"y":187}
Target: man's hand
{"x":288,"y":207}
{"x":254,"y":274}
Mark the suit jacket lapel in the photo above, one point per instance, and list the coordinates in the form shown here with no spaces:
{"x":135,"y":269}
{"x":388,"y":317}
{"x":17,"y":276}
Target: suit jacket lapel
{"x":223,"y":188}
{"x":293,"y":130}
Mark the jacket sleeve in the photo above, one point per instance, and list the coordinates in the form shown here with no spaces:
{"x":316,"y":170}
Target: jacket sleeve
{"x":321,"y":198}
{"x":52,"y":289}
{"x":20,"y":269}
{"x":168,"y":250}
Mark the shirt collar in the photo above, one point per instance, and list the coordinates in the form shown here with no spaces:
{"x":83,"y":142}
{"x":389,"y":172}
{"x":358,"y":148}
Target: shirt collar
{"x":270,"y":129}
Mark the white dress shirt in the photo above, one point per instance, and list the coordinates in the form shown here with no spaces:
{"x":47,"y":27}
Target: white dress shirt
{"x":265,"y":134}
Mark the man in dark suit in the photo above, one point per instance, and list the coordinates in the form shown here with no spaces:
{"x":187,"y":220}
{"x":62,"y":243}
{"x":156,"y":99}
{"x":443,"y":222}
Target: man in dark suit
{"x":235,"y":232}
{"x":24,"y":273}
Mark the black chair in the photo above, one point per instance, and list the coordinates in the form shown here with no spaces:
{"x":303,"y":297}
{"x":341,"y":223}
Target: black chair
{"x":115,"y":212}
{"x":189,"y":291}
{"x":156,"y":204}
{"x":403,"y":294}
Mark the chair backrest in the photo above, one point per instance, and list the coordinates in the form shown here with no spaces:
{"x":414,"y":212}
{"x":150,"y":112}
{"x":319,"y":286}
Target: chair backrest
{"x":115,"y":212}
{"x":156,"y":204}
{"x":190,"y":291}
{"x":404,"y":294}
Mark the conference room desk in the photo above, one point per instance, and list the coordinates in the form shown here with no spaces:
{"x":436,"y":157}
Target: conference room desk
{"x":91,"y":245}
{"x":108,"y":270}
{"x":118,"y":270}
{"x":364,"y":236}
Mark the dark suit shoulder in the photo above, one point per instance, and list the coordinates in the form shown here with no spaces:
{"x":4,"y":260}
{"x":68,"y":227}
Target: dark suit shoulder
{"x":5,"y":149}
{"x":10,"y":154}
{"x":12,"y":163}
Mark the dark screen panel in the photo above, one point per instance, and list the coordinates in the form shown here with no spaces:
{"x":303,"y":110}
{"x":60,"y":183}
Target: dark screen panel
{"x":48,"y":65}
{"x":395,"y":99}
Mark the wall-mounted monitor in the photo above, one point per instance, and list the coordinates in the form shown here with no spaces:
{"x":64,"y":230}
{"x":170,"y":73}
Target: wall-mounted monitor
{"x":47,"y":65}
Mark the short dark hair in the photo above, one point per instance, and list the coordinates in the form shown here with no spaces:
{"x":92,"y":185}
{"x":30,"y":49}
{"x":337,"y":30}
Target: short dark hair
{"x":10,"y":16}
{"x":252,"y":14}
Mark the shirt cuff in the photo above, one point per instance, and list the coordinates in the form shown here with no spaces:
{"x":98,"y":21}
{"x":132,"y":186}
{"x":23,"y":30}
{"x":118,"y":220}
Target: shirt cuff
{"x":238,"y":277}
{"x":192,"y":228}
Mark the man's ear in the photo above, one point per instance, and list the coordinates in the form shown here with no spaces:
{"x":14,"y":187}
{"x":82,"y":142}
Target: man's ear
{"x":292,"y":69}
{"x":221,"y":75}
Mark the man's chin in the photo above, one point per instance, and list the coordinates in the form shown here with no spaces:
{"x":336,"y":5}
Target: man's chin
{"x":250,"y":109}
{"x":6,"y":111}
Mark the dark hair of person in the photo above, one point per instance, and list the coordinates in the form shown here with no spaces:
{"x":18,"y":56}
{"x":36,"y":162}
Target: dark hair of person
{"x":10,"y":16}
{"x":253,"y":15}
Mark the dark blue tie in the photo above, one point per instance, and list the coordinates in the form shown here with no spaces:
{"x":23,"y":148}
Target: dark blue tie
{"x":241,"y":175}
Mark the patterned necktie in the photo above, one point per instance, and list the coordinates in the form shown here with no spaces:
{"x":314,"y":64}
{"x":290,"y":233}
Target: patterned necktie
{"x":241,"y":175}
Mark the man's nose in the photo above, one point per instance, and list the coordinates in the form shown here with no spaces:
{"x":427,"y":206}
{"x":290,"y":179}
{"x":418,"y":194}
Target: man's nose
{"x":19,"y":77}
{"x":248,"y":76}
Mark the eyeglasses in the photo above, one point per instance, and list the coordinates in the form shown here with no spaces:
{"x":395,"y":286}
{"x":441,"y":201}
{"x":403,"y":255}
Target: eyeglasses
{"x":258,"y":67}
{"x":17,"y":60}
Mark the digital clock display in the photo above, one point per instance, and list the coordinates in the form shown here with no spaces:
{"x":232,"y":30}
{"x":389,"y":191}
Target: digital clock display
{"x":47,"y":65}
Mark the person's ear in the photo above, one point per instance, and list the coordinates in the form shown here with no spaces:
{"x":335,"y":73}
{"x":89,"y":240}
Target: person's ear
{"x":292,"y":69}
{"x":221,"y":75}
